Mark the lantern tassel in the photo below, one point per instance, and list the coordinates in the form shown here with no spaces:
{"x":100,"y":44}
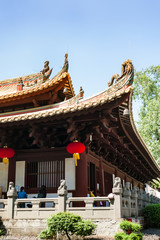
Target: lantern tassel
{"x":76,"y":156}
{"x":5,"y":162}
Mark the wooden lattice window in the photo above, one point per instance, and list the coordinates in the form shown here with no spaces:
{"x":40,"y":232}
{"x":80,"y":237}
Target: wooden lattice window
{"x":48,"y":173}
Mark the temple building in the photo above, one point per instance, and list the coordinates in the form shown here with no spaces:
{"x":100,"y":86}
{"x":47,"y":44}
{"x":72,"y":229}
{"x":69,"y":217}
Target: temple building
{"x":40,"y":115}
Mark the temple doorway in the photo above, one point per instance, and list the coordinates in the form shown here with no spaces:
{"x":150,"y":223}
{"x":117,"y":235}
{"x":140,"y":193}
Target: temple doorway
{"x":108,"y":183}
{"x":92,"y":177}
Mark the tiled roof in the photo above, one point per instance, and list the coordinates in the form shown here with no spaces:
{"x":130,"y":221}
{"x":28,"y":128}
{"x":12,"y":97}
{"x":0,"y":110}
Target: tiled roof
{"x":9,"y":86}
{"x":69,"y":106}
{"x":8,"y":89}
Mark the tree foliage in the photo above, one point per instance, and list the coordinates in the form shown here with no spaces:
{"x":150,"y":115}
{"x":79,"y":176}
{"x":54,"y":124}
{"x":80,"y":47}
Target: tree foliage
{"x":147,"y":90}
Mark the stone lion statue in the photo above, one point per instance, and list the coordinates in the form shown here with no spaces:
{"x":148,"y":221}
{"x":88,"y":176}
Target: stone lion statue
{"x":62,"y":190}
{"x":11,"y":190}
{"x":128,"y":186}
{"x":62,"y":184}
{"x":117,"y":183}
{"x":135,"y":189}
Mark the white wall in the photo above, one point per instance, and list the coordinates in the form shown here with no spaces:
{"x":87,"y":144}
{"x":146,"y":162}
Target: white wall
{"x":4,"y":177}
{"x":153,"y":191}
{"x":70,"y":173}
{"x":20,"y":173}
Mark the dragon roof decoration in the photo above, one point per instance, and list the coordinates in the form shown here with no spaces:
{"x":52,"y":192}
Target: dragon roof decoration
{"x":35,"y":82}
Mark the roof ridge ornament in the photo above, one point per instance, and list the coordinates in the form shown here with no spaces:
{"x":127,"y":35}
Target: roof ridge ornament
{"x":66,"y":64}
{"x":45,"y":69}
{"x":126,"y":69}
{"x":20,"y":84}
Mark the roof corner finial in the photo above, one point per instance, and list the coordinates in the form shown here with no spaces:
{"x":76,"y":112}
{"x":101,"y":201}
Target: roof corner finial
{"x":126,"y":69}
{"x":45,"y":70}
{"x":46,"y":67}
{"x":81,"y":92}
{"x":20,"y":84}
{"x":66,"y":64}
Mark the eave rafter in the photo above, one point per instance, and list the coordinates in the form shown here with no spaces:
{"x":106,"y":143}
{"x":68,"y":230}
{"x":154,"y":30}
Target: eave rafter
{"x":105,"y":131}
{"x":137,"y":147}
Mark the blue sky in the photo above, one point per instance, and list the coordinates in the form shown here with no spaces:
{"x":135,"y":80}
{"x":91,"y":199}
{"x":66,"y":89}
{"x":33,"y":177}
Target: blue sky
{"x":98,"y":36}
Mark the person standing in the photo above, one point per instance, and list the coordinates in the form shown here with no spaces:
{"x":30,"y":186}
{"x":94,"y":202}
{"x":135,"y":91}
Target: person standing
{"x":42,"y":194}
{"x":22,"y":194}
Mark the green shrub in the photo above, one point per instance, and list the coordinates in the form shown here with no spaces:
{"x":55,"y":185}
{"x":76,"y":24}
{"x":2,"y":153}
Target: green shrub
{"x":67,"y":224}
{"x":131,"y":231}
{"x":129,"y":226}
{"x":135,"y":236}
{"x":132,"y":236}
{"x":84,"y":228}
{"x":126,"y":226}
{"x":152,"y":215}
{"x":120,"y":236}
{"x":3,"y":231}
{"x":46,"y":234}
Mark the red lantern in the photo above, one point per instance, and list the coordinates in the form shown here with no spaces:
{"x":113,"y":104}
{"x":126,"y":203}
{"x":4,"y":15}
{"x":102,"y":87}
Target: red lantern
{"x":6,"y":153}
{"x":75,"y":148}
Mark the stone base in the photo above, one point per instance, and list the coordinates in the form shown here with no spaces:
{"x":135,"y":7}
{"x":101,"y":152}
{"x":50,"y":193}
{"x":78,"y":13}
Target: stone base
{"x":24,"y":227}
{"x":106,"y":227}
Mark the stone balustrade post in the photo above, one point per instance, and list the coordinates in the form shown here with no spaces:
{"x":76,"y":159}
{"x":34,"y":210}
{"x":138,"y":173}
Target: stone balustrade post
{"x":35,"y":207}
{"x":141,"y":195}
{"x":134,"y":196}
{"x":140,"y":202}
{"x":151,"y":199}
{"x":62,"y":196}
{"x":11,"y":195}
{"x":144,"y":199}
{"x":89,"y":206}
{"x":127,"y":194}
{"x":148,"y":198}
{"x":56,"y":206}
{"x":117,"y":191}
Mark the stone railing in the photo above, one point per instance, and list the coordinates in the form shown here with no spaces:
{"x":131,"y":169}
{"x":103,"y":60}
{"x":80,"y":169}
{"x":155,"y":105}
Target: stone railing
{"x":3,"y":208}
{"x":91,"y":207}
{"x":32,"y":208}
{"x":125,"y":202}
{"x":135,"y":200}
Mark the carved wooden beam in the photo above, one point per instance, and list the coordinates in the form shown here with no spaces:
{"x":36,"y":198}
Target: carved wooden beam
{"x":89,"y":118}
{"x":35,"y":102}
{"x":71,"y":126}
{"x":52,"y":98}
{"x":111,"y":117}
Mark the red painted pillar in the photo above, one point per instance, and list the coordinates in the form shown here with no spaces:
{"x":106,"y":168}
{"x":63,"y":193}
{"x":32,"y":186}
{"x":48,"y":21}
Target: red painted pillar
{"x":81,"y":177}
{"x":12,"y":170}
{"x":101,"y":182}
